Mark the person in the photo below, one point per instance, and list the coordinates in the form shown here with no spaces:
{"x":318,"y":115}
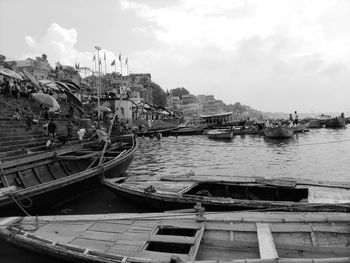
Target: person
{"x":295,"y":118}
{"x":290,"y":118}
{"x":342,"y":115}
{"x":46,"y":115}
{"x":50,"y":143}
{"x":159,"y":136}
{"x":30,"y":119}
{"x":69,"y":128}
{"x":51,"y":129}
{"x":17,"y":115}
{"x":81,"y":134}
{"x":102,"y":139}
{"x":71,"y":112}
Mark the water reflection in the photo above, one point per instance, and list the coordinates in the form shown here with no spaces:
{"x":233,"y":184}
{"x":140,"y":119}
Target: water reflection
{"x":318,"y":154}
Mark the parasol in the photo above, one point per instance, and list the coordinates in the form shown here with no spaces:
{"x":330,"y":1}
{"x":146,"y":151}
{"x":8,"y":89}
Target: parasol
{"x":102,"y":108}
{"x":32,"y":79}
{"x":10,"y":73}
{"x":49,"y":84}
{"x":46,"y":100}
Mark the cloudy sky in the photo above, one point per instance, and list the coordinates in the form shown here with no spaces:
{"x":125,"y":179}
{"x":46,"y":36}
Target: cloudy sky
{"x":274,"y":55}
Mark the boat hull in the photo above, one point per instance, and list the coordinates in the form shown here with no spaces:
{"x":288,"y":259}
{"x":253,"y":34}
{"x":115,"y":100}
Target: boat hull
{"x":187,"y":131}
{"x":59,"y":180}
{"x":217,"y":134}
{"x":280,"y":132}
{"x":169,"y":200}
{"x":335,"y":123}
{"x":193,"y":236}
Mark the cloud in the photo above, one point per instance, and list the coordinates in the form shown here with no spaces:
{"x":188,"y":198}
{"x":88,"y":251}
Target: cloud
{"x":60,"y":46}
{"x":273,"y":55}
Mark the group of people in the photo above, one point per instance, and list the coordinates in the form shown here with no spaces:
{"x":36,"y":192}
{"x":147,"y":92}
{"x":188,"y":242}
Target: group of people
{"x":13,"y":88}
{"x":295,"y":120}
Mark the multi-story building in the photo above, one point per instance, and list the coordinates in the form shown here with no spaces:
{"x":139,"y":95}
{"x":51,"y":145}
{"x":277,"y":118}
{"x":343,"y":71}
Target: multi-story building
{"x":38,"y":67}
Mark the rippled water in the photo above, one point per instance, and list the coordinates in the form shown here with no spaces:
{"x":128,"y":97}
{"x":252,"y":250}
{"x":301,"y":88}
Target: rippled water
{"x":317,"y":154}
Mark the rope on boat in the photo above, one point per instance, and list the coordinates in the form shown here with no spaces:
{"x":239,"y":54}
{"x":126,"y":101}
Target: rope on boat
{"x":17,"y":199}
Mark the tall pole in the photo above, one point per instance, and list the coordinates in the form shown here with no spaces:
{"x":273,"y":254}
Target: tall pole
{"x":105,"y":64}
{"x":99,"y":81}
{"x":121,"y":64}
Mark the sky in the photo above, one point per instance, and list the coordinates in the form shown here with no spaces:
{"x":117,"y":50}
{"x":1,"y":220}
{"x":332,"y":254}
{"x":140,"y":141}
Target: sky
{"x":273,"y":55}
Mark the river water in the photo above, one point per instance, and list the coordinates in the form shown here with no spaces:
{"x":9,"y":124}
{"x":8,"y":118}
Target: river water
{"x":322,"y":154}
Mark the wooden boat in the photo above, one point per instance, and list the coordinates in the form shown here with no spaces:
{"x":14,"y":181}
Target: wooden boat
{"x":315,"y":123}
{"x":232,"y":192}
{"x":174,"y":237}
{"x":301,"y":127}
{"x":164,"y":132}
{"x":40,"y":180}
{"x":187,"y":131}
{"x":279,"y":132}
{"x":337,"y":122}
{"x":220,"y":134}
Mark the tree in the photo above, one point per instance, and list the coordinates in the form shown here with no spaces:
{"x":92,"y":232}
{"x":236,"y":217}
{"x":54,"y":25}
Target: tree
{"x":159,"y":95}
{"x":178,"y":92}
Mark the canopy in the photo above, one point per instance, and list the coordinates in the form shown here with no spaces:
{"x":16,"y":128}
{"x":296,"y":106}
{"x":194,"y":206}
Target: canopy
{"x":102,"y":108}
{"x":31,"y":78}
{"x":10,"y":73}
{"x":46,"y":100}
{"x":50,"y":84}
{"x":73,"y":98}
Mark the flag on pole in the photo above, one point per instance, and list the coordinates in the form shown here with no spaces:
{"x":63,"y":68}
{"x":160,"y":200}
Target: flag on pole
{"x":126,"y":61}
{"x":94,"y":58}
{"x":105,"y":56}
{"x":113,"y":63}
{"x":120,"y":57}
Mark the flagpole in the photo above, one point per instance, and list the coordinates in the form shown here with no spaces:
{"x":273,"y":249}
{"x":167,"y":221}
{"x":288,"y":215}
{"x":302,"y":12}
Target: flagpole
{"x":99,"y":81}
{"x":95,"y":63}
{"x":115,"y":66}
{"x":121,"y":64}
{"x":105,"y":64}
{"x":127,"y":66}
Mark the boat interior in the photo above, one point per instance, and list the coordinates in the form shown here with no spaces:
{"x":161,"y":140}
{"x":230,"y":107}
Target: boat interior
{"x":250,"y":192}
{"x":244,"y":237}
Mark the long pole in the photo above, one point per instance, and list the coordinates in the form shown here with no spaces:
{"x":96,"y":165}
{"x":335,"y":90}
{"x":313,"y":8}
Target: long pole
{"x":95,"y":64}
{"x":115,"y":66}
{"x":105,"y":64}
{"x":121,"y":64}
{"x":99,"y":81}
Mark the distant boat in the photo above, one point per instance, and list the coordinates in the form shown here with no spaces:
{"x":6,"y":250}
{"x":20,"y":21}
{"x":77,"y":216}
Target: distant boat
{"x":301,"y":127}
{"x":218,"y":192}
{"x":279,"y":132}
{"x":337,"y":122}
{"x":220,"y":134}
{"x":187,"y":131}
{"x":196,"y":236}
{"x":315,"y":123}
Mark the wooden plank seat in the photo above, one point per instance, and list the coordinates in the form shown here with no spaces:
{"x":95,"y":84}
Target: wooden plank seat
{"x":267,"y":246}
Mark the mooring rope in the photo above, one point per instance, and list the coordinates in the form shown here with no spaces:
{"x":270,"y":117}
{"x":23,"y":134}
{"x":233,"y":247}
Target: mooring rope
{"x":16,"y":198}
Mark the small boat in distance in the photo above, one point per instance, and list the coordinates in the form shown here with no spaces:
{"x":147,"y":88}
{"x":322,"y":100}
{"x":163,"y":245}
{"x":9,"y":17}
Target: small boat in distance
{"x":196,"y":237}
{"x":279,"y":132}
{"x":187,"y":131}
{"x":220,"y":134}
{"x":218,"y":192}
{"x":337,"y":122}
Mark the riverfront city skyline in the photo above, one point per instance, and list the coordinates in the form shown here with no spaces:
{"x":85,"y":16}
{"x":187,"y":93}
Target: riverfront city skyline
{"x":273,"y":55}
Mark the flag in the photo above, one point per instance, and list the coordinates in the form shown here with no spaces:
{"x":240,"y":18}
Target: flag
{"x":94,"y":58}
{"x":120,"y":57}
{"x":113,"y":63}
{"x":126,"y":61}
{"x":105,"y":56}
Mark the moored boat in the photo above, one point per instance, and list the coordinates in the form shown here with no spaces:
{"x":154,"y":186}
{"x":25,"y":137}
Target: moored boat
{"x":337,"y":122}
{"x":187,"y":131}
{"x":301,"y":127}
{"x":34,"y":183}
{"x":220,"y":134}
{"x":199,"y":237}
{"x":232,"y":192}
{"x":279,"y":132}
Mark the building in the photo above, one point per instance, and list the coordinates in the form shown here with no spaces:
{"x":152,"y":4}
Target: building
{"x":38,"y":67}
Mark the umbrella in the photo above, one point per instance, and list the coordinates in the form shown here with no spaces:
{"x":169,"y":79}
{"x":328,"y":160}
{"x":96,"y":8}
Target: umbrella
{"x":10,"y":73}
{"x":102,"y":108}
{"x":46,"y":100}
{"x":32,"y":79}
{"x":63,"y":86}
{"x":73,"y":98}
{"x":49,"y":84}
